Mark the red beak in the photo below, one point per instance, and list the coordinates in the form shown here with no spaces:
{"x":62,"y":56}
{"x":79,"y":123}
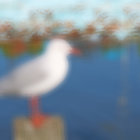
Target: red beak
{"x":75,"y":51}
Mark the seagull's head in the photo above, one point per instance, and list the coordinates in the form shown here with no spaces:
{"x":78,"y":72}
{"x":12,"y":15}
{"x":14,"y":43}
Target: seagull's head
{"x":63,"y":47}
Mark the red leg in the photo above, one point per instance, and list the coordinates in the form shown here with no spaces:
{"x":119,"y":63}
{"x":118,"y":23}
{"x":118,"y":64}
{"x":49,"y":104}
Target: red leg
{"x":37,"y":117}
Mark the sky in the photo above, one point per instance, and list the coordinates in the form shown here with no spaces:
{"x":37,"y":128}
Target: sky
{"x":19,"y":10}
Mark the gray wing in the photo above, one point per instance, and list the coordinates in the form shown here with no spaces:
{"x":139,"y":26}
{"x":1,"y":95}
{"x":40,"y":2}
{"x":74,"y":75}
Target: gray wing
{"x":25,"y":75}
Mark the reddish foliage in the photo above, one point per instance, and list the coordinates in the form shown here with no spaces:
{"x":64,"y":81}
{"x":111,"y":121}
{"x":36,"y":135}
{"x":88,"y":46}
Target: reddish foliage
{"x":90,"y":29}
{"x":111,"y":27}
{"x":18,"y":47}
{"x":74,"y":34}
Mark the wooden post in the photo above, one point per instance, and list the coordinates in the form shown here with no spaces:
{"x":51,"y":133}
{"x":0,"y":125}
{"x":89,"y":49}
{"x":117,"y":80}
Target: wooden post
{"x":52,"y":129}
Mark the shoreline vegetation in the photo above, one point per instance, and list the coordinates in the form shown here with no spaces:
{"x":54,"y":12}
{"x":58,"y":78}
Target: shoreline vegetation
{"x":102,"y":31}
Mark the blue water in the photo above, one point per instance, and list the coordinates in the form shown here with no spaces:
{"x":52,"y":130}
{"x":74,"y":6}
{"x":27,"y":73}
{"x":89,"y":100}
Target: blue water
{"x":99,"y":100}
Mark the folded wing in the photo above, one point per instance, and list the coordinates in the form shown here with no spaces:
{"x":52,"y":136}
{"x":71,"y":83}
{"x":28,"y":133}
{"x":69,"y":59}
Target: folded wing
{"x":24,"y":76}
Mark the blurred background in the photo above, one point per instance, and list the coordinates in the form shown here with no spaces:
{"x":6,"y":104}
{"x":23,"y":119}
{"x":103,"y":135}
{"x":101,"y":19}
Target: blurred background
{"x":99,"y":100}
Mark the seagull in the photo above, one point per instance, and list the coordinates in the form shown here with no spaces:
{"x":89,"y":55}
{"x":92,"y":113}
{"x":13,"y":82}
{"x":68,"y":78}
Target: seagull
{"x":39,"y":76}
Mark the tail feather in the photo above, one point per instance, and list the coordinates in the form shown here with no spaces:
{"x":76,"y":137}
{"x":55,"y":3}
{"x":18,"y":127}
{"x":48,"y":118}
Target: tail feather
{"x":5,"y":87}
